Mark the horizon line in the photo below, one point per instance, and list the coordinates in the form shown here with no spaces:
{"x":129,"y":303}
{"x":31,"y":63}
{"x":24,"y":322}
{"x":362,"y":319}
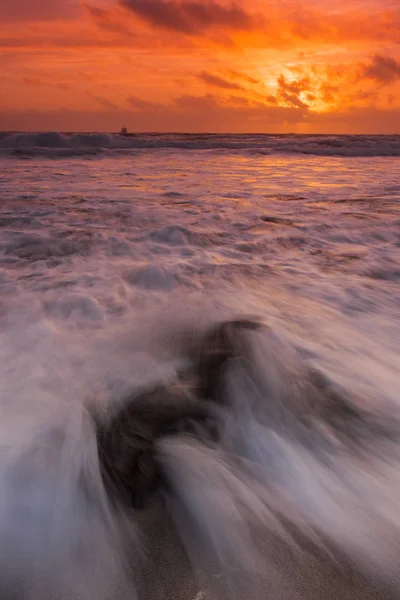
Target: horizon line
{"x":193,"y":133}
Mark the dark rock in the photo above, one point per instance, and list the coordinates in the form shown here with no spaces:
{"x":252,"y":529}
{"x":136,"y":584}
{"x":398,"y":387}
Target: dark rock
{"x":277,"y":220}
{"x":126,"y":443}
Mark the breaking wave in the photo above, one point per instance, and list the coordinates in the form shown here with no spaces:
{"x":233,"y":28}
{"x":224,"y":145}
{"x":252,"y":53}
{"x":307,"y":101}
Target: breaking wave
{"x":53,"y":144}
{"x":297,"y":493}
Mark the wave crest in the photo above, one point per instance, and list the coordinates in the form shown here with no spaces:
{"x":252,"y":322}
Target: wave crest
{"x":78,"y":144}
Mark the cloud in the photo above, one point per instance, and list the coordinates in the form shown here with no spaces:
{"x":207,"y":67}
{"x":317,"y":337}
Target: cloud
{"x":242,"y":77}
{"x":143,"y":105}
{"x":321,"y":86}
{"x":289,"y":92}
{"x":382,"y":69}
{"x":38,"y":10}
{"x":107,"y":20}
{"x":233,"y":24}
{"x":220,"y":82}
{"x":292,"y":100}
{"x":188,"y":102}
{"x":329,"y":93}
{"x":103,"y":101}
{"x":193,"y":17}
{"x":294,"y":87}
{"x":336,"y":22}
{"x":37,"y":82}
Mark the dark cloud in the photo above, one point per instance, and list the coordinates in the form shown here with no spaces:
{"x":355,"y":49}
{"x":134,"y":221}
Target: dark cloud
{"x":38,"y":82}
{"x":329,"y":93}
{"x":292,"y":100}
{"x":105,"y":19}
{"x":193,"y":17}
{"x":294,"y":87}
{"x":289,"y":91}
{"x":144,"y":105}
{"x":187,"y":102}
{"x":256,"y":102}
{"x":366,"y":96}
{"x":382,"y":69}
{"x":217,"y":81}
{"x":38,"y":10}
{"x":96,"y":11}
{"x":242,"y":77}
{"x":103,"y":101}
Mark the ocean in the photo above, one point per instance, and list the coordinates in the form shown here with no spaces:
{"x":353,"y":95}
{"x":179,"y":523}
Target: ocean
{"x":112,"y":246}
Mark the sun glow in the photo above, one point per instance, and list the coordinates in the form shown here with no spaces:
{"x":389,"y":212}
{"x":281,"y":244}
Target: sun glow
{"x":210,"y":66}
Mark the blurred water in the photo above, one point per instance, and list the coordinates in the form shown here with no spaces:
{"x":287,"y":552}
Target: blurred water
{"x":103,"y":262}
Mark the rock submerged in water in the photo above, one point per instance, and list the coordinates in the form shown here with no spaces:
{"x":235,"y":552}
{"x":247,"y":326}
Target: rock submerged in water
{"x":277,"y":220}
{"x":127,"y":442}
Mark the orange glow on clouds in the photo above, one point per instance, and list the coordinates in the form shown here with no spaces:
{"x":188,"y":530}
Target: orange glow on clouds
{"x":201,"y":65}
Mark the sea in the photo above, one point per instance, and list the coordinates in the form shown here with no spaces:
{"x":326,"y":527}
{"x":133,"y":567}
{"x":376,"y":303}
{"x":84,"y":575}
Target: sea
{"x":111,"y":248}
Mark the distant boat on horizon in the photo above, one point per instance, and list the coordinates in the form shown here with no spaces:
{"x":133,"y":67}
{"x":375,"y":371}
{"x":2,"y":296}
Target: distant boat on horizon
{"x":124,"y":130}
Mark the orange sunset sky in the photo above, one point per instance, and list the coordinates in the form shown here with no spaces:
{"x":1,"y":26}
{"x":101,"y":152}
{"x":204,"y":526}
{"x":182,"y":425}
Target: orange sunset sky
{"x":302,"y":66}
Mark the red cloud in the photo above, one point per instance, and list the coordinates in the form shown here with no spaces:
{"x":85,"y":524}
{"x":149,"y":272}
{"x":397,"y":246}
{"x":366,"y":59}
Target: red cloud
{"x":217,"y":81}
{"x":383,"y":69}
{"x":191,"y":18}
